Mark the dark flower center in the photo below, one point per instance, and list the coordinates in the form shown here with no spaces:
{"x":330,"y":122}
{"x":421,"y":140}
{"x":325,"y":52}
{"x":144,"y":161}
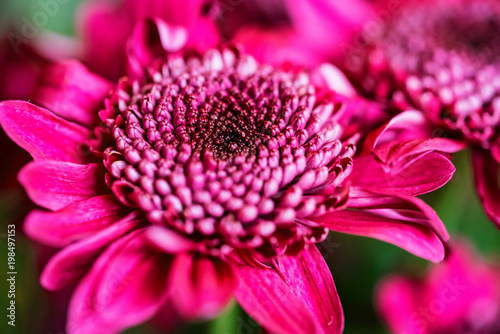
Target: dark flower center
{"x":227,"y":152}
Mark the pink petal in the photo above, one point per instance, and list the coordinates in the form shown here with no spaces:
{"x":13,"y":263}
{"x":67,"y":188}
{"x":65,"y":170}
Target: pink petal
{"x":44,"y":135}
{"x":168,"y":240}
{"x":311,"y":280}
{"x":396,"y":302}
{"x":72,"y":92}
{"x":396,"y":154}
{"x":277,"y":46}
{"x":73,"y":222}
{"x":54,"y":184}
{"x":424,"y":174}
{"x":333,"y":78}
{"x":125,"y":287}
{"x":104,"y":31}
{"x":413,"y":237}
{"x":412,"y":208}
{"x":150,"y":39}
{"x":70,"y":264}
{"x":486,"y":179}
{"x":201,"y":286}
{"x":268,"y":299}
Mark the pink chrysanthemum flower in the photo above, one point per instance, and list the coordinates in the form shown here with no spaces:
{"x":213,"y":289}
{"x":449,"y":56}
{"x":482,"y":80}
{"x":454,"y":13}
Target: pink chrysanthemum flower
{"x":207,"y":176}
{"x":443,"y":59}
{"x":460,"y":295}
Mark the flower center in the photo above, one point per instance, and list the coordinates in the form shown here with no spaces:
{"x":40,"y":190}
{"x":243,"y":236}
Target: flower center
{"x":447,"y":57}
{"x":230,"y":153}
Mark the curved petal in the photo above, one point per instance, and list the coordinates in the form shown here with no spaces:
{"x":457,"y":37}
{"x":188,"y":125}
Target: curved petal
{"x":125,"y":287}
{"x":413,"y":237}
{"x":422,"y":175}
{"x":168,"y":240}
{"x":54,"y":184}
{"x":411,"y":208}
{"x":72,"y":92}
{"x":311,"y":280}
{"x":73,"y":222}
{"x":71,"y":263}
{"x":42,"y":134}
{"x":150,"y":39}
{"x":486,"y":179}
{"x":265,"y":295}
{"x":200,"y":286}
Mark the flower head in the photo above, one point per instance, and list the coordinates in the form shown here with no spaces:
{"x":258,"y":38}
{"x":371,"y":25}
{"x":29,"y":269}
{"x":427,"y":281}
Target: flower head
{"x":442,"y":58}
{"x":208,"y":175}
{"x":460,"y":295}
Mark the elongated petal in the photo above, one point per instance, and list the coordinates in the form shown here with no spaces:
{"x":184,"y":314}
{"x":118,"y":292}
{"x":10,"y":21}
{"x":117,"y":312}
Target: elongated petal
{"x":71,"y":263}
{"x":268,"y":299}
{"x":168,"y":240}
{"x":42,"y":134}
{"x":413,"y":237}
{"x":311,"y":280}
{"x":73,"y":222}
{"x":54,"y":184}
{"x":424,"y":174}
{"x":72,"y":92}
{"x":412,"y":208}
{"x":486,"y":179}
{"x":201,"y":286}
{"x":125,"y":287}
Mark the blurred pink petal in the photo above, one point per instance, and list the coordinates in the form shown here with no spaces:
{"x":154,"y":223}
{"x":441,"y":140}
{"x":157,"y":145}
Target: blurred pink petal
{"x":70,"y":264}
{"x":460,"y":295}
{"x":201,"y":286}
{"x":62,"y":92}
{"x":125,"y":287}
{"x":486,"y":179}
{"x":73,"y":222}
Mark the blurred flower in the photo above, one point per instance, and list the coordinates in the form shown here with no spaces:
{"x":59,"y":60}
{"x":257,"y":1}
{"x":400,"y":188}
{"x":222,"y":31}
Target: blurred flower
{"x":460,"y":295}
{"x":442,"y":58}
{"x":301,"y":32}
{"x":207,"y":176}
{"x":105,"y":26}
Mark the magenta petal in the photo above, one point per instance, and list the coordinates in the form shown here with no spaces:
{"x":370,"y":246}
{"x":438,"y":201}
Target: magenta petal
{"x":42,"y":134}
{"x":201,"y":286}
{"x":413,"y":237}
{"x":411,"y":208}
{"x":397,"y":302}
{"x":71,"y":263}
{"x":72,"y":92}
{"x":125,"y":287}
{"x":74,"y":222}
{"x":422,"y":175}
{"x":486,"y":179}
{"x":150,"y":39}
{"x":268,"y":299}
{"x":168,"y":240}
{"x":54,"y":184}
{"x":311,"y":280}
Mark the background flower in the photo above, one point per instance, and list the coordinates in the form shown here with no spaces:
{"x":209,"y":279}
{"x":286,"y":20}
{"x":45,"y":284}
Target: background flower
{"x":460,"y":295}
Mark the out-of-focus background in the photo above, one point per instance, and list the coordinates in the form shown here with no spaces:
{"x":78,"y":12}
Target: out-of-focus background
{"x":356,"y":263}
